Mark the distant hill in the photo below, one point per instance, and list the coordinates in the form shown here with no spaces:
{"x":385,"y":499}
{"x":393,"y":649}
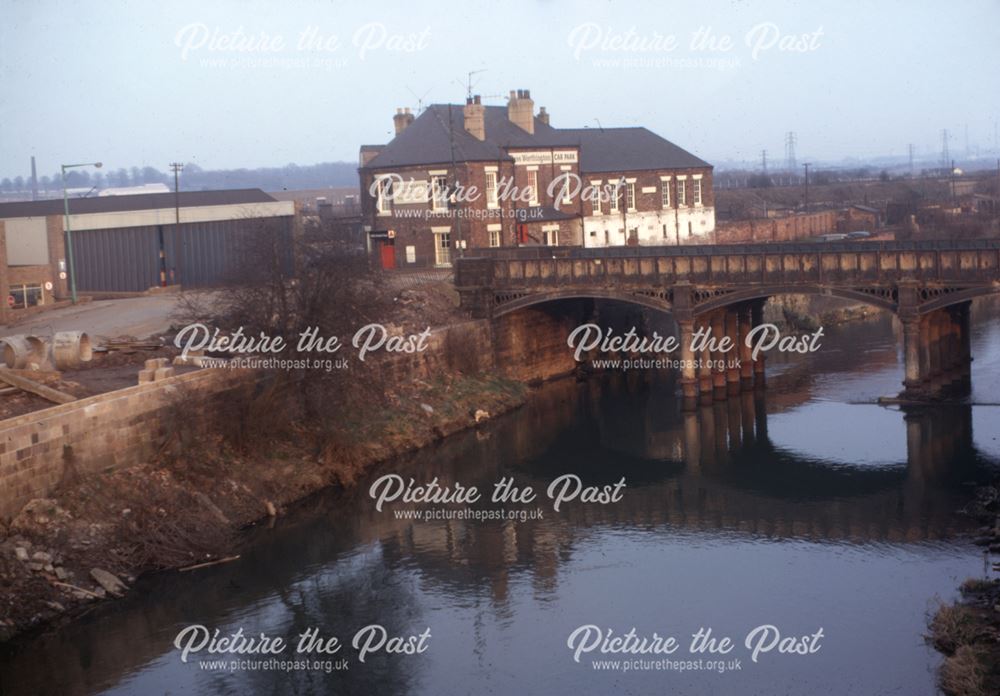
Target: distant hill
{"x":292,"y":176}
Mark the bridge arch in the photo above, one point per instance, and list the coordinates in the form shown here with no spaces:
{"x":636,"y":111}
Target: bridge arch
{"x":658,"y":300}
{"x":881,"y":298}
{"x":946,"y":297}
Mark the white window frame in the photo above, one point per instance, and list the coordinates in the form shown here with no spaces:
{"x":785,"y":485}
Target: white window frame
{"x":681,"y":191}
{"x":613,"y":204}
{"x":439,"y":193}
{"x":533,"y":185}
{"x":492,"y":198}
{"x":550,"y":236}
{"x":595,"y":204}
{"x":496,"y":237}
{"x":665,"y":191}
{"x":696,"y":191}
{"x":383,"y":206}
{"x":442,"y":252}
{"x":630,"y":196}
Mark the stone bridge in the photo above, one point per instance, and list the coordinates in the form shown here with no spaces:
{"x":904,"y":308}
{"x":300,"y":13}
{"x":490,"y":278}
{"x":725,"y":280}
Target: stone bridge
{"x":927,"y":284}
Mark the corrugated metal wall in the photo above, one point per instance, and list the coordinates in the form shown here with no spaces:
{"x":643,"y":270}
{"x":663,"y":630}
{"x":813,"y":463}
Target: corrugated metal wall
{"x":127,"y":259}
{"x":116,"y":260}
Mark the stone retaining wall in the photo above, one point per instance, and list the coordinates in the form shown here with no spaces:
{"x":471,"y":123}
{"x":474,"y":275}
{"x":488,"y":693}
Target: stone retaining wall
{"x":99,"y":432}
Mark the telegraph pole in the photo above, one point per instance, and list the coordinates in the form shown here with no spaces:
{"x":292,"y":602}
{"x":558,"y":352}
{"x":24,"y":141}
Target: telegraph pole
{"x":176,"y":167}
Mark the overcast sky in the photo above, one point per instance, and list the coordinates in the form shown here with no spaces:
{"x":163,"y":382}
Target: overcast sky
{"x":147,"y":83}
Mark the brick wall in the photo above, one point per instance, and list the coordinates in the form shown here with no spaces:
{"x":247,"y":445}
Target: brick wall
{"x":776,"y":229}
{"x":108,"y":430}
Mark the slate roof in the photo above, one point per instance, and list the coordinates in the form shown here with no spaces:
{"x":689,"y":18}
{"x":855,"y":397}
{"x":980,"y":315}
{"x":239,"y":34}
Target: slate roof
{"x":428,"y":140}
{"x":141,"y":201}
{"x":629,"y":149}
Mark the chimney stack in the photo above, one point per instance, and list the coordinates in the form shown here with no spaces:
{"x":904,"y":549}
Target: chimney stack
{"x":543,"y":116}
{"x":475,"y":117}
{"x":521,"y":110}
{"x":402,"y":119}
{"x":34,"y":180}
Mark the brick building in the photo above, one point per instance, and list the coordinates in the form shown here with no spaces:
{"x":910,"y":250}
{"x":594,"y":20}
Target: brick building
{"x":461,"y":177}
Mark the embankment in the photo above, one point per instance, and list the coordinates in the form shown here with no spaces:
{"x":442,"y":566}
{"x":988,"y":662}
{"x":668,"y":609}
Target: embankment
{"x":145,"y":479}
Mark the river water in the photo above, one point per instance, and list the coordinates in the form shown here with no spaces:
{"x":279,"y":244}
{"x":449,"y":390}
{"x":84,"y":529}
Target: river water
{"x":802,"y":507}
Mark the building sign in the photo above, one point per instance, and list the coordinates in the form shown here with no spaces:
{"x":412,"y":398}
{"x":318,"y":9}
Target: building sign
{"x":545,"y":157}
{"x":410,"y":191}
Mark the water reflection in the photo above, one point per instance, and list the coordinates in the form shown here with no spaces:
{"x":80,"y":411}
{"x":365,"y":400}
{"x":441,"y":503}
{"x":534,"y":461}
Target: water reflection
{"x":826,"y":512}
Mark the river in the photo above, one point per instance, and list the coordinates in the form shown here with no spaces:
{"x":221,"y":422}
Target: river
{"x":805,"y":506}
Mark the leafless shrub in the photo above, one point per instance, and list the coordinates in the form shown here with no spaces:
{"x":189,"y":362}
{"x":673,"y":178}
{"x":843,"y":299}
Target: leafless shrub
{"x":283,"y":286}
{"x":157,"y":538}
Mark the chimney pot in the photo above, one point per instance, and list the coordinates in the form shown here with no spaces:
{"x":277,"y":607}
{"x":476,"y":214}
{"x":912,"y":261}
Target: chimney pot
{"x":402,"y":119}
{"x":474,"y":114}
{"x":521,"y":110}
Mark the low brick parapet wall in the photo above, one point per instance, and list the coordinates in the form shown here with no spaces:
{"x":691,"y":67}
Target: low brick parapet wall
{"x":785,"y":229}
{"x":96,"y":433}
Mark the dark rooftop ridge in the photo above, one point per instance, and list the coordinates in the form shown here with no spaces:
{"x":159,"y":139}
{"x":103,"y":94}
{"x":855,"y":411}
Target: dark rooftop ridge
{"x":140,"y":201}
{"x":438,"y":135}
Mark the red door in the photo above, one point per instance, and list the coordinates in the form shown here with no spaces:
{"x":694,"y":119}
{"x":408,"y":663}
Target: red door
{"x":387,"y":253}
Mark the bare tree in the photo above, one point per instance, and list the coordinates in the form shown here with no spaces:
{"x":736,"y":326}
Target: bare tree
{"x":283,"y":286}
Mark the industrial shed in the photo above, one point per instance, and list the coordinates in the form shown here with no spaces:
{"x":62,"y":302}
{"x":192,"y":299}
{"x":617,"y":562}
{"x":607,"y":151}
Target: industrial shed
{"x":130,"y":243}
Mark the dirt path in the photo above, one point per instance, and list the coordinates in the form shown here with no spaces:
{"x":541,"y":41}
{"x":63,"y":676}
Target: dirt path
{"x":135,"y":316}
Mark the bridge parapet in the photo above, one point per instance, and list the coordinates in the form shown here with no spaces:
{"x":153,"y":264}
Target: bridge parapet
{"x":500,"y":280}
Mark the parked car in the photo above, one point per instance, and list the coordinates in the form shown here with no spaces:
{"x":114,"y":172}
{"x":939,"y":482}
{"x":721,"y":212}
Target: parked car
{"x":860,"y":234}
{"x":833,"y":237}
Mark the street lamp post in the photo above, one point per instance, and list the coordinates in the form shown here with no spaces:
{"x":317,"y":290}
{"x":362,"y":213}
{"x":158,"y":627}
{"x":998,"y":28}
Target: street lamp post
{"x":69,"y":231}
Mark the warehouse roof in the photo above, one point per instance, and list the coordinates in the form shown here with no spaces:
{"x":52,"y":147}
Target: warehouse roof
{"x":142,"y":201}
{"x":438,"y":135}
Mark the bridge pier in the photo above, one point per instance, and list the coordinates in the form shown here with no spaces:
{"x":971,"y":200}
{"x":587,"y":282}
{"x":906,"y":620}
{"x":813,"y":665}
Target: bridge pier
{"x":719,"y":357}
{"x":705,"y":384}
{"x":937,"y":353}
{"x":689,"y":373}
{"x":732,"y":358}
{"x":730,"y":372}
{"x":963,"y":318}
{"x":756,"y":319}
{"x":746,"y":367}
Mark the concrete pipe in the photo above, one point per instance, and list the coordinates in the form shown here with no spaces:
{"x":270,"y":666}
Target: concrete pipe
{"x":70,"y":348}
{"x":20,"y":352}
